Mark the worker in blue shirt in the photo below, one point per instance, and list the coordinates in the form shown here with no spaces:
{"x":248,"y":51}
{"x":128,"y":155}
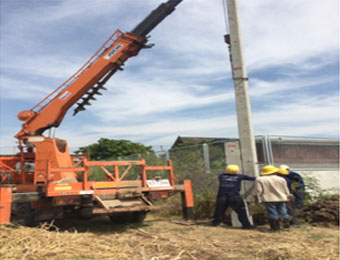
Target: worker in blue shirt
{"x":296,"y":188}
{"x":229,"y":195}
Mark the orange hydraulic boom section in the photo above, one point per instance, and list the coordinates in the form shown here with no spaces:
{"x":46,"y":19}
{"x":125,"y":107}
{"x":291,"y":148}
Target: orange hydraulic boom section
{"x":85,"y":83}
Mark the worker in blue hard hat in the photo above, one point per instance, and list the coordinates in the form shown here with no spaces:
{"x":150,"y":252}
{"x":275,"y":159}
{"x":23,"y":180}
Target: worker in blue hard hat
{"x":229,"y":195}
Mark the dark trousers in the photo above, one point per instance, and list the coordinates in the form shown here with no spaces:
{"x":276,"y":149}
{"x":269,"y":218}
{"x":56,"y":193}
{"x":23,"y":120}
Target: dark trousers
{"x":236,"y":203}
{"x":291,"y":208}
{"x":299,"y":199}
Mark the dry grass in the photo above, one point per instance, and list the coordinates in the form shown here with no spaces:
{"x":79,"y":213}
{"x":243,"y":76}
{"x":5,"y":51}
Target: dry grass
{"x":160,"y":239}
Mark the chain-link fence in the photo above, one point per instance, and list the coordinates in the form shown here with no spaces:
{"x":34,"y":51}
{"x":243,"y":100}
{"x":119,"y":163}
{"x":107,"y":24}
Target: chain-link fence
{"x":297,"y":152}
{"x":202,"y":162}
{"x":304,"y":153}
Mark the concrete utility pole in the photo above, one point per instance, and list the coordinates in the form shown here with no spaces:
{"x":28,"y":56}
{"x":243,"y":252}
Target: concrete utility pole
{"x":245,"y":128}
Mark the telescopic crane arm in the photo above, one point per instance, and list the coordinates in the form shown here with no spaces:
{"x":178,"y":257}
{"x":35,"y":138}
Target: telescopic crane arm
{"x":91,"y":78}
{"x":155,"y":17}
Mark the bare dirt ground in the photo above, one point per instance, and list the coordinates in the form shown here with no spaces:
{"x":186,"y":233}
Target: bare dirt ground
{"x":160,"y":238}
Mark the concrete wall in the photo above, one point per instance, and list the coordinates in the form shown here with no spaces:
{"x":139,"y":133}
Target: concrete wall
{"x":328,"y":180}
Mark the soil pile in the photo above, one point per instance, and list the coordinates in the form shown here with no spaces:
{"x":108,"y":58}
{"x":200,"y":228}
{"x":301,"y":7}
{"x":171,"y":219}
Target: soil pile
{"x":324,"y":211}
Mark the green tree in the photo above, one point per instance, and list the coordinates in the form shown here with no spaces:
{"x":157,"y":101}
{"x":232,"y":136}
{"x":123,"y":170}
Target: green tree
{"x":107,"y":149}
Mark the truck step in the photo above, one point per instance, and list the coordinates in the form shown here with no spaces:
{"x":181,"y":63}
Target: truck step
{"x":118,"y":203}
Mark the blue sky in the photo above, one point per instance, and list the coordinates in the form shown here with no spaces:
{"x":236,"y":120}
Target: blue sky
{"x":182,"y":86}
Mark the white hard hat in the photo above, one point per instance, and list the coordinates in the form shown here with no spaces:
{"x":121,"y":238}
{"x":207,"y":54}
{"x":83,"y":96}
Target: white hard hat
{"x":285,"y":167}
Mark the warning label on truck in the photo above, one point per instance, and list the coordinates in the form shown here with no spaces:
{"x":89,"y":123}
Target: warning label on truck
{"x":113,"y":51}
{"x":158,"y":183}
{"x":63,"y":188}
{"x":65,"y":95}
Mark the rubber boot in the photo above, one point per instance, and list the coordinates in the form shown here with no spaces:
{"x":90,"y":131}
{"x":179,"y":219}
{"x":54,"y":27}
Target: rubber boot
{"x":215,"y":224}
{"x":295,"y":222}
{"x":249,"y":227}
{"x":286,"y":223}
{"x":277,"y":225}
{"x":274,"y":225}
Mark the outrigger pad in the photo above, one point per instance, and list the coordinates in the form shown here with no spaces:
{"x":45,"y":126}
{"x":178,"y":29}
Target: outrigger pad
{"x":5,"y":205}
{"x":187,"y":213}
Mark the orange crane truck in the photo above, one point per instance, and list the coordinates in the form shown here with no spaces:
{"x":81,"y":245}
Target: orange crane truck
{"x":43,"y":181}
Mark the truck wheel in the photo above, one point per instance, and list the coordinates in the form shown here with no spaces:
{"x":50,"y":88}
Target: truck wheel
{"x":139,"y":216}
{"x":24,"y":214}
{"x":86,"y":212}
{"x":122,"y":218}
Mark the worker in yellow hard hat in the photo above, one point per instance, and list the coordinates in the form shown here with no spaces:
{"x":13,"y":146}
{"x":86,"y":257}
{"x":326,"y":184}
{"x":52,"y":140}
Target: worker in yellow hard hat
{"x":229,"y":195}
{"x":273,"y":191}
{"x":268,"y":170}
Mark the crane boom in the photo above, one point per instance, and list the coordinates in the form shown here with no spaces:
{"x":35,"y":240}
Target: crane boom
{"x":92,"y":76}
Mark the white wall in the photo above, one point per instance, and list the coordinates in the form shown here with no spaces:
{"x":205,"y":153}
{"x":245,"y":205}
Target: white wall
{"x":329,"y":180}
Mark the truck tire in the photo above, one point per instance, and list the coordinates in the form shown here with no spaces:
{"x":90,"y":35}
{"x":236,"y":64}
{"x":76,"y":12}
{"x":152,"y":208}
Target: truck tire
{"x":128,"y":217}
{"x":139,"y":216}
{"x":122,"y":218}
{"x":86,"y":212}
{"x":24,"y":214}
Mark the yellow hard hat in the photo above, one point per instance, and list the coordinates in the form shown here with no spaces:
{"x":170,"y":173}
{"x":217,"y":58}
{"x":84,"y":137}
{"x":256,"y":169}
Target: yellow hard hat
{"x":284,"y":169}
{"x":268,"y":169}
{"x":232,"y":169}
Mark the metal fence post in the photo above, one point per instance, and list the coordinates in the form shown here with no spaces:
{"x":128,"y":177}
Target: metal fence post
{"x":267,"y":150}
{"x":206,"y":158}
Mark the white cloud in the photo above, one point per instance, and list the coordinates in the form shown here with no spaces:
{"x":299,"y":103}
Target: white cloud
{"x":310,"y":116}
{"x":154,"y":132}
{"x":42,"y":67}
{"x":261,"y":88}
{"x":134,"y":99}
{"x":289,"y":32}
{"x":10,"y":86}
